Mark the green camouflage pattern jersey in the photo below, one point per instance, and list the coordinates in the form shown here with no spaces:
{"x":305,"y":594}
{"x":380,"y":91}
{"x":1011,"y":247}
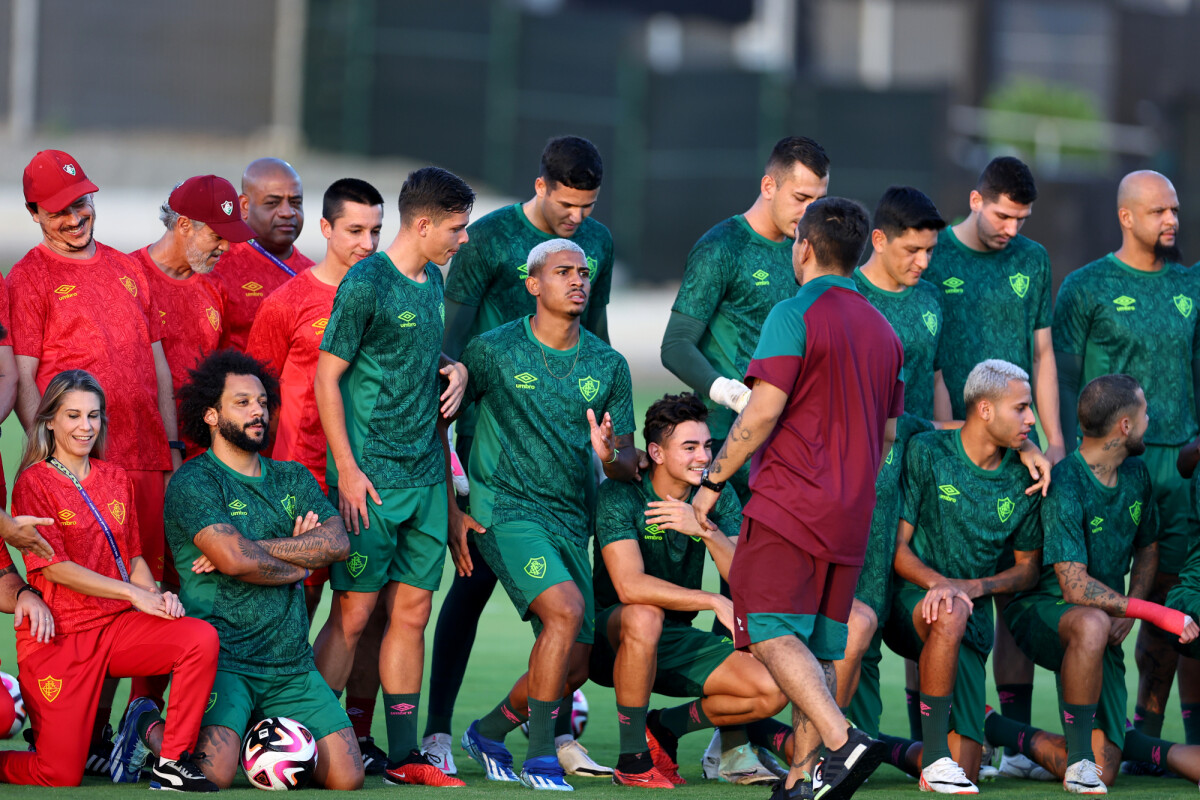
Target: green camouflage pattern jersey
{"x":733,"y":278}
{"x":1096,"y":525}
{"x":532,"y":457}
{"x":992,"y":302}
{"x":389,"y":327}
{"x":1144,"y":324}
{"x":263,"y":629}
{"x":915,"y":314}
{"x":966,"y":518}
{"x":875,"y":581}
{"x":666,"y":554}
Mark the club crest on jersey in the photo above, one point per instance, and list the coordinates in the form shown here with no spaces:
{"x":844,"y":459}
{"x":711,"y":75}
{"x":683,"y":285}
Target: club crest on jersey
{"x":117,"y":509}
{"x":442,"y":312}
{"x":128,"y":283}
{"x":237,"y":509}
{"x":761,"y":277}
{"x":653,"y":532}
{"x":1184,"y":304}
{"x":355,"y":564}
{"x":212,"y":701}
{"x":1135,"y":511}
{"x":525,"y":381}
{"x":1019,"y":284}
{"x":214,"y":318}
{"x":949,"y":493}
{"x":227,"y":207}
{"x":289,"y":504}
{"x":1097,"y":524}
{"x":888,"y":460}
{"x":67,"y":516}
{"x":406,"y":319}
{"x":931,"y":322}
{"x":69,"y":169}
{"x":1004,"y":508}
{"x":536,"y":568}
{"x":589,"y":387}
{"x":953,"y":285}
{"x":1125,"y":303}
{"x":50,"y":686}
{"x":591,"y":264}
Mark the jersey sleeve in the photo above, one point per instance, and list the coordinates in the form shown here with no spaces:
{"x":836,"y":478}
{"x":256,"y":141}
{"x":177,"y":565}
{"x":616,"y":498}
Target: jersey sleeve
{"x":353,"y":309}
{"x":779,"y":357}
{"x":916,"y":477}
{"x":271,"y":333}
{"x":1072,"y":318}
{"x":1028,"y":535}
{"x":190,"y":508}
{"x":470,"y":274}
{"x":31,"y":497}
{"x":309,"y":496}
{"x":1148,"y":527}
{"x":29,"y":306}
{"x":150,"y":305}
{"x":5,"y":315}
{"x":1063,"y":527}
{"x":620,"y":400}
{"x":475,"y":359}
{"x":1043,"y":317}
{"x":705,"y":279}
{"x":617,"y":503}
{"x":727,"y":515}
{"x":602,"y":287}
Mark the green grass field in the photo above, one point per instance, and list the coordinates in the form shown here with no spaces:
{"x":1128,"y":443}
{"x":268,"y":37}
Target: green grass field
{"x":500,"y":654}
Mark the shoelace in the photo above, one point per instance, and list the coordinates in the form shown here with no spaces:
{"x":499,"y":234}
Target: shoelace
{"x":187,"y":764}
{"x":1092,"y":767}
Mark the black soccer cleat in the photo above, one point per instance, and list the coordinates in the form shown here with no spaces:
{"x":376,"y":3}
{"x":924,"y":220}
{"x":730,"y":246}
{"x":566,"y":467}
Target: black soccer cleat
{"x":842,"y":771}
{"x":374,"y":759}
{"x":181,"y":775}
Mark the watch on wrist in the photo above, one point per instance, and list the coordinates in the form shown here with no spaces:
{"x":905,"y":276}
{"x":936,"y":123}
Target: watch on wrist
{"x":28,"y":588}
{"x":711,"y":485}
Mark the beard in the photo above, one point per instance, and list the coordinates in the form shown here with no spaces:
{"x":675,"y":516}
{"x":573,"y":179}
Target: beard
{"x":1135,"y":447}
{"x":236,"y":435}
{"x":1167,"y":253}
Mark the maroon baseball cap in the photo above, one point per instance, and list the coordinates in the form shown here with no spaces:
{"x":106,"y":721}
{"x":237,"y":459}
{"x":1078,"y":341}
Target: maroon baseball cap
{"x":213,"y":201}
{"x":54,"y":181}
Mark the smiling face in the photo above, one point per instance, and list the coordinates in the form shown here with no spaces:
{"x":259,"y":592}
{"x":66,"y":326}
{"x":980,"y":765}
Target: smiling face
{"x":684,"y":453}
{"x":242,"y":417}
{"x":76,"y":424}
{"x":562,"y":284}
{"x":354,"y":235}
{"x":70,"y":231}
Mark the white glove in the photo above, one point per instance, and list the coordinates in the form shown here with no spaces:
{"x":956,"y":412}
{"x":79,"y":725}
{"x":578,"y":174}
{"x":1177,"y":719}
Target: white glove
{"x":462,"y":486}
{"x":732,"y":394}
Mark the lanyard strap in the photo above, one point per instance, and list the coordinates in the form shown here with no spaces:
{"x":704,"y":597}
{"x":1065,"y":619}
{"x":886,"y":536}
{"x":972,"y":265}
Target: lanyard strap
{"x":272,"y":258}
{"x":112,"y":543}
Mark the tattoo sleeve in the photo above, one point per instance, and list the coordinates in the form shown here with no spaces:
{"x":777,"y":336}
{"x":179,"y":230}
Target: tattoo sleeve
{"x":1082,"y":589}
{"x":317,"y":548}
{"x":1143,"y":571}
{"x":238,"y":557}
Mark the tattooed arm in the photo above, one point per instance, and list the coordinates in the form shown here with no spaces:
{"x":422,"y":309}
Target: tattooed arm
{"x":317,"y":548}
{"x":1082,"y":589}
{"x":1017,"y":578}
{"x":1143,"y":571}
{"x":235,"y":555}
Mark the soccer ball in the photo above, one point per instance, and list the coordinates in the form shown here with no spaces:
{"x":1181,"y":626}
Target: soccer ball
{"x":279,"y":754}
{"x":579,"y":715}
{"x":14,"y":691}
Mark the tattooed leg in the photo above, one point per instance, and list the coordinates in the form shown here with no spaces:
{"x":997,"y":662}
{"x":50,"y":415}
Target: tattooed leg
{"x":220,"y":747}
{"x":339,"y":762}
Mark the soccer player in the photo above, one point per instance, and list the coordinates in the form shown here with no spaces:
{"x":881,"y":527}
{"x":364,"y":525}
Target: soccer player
{"x":486,"y":288}
{"x":110,"y":618}
{"x":1098,"y":514}
{"x":286,"y":337}
{"x":965,"y":507}
{"x":735,"y":274}
{"x":648,"y":570}
{"x":827,"y":387}
{"x":8,"y":373}
{"x":549,"y":394}
{"x":245,"y":531}
{"x":272,"y":203}
{"x":201,"y":222}
{"x":377,"y":389}
{"x":1133,"y":311}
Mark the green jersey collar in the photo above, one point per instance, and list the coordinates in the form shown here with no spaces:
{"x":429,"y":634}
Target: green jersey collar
{"x":990,"y":474}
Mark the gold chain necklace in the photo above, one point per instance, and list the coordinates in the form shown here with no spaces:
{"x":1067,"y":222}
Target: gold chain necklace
{"x":542,"y":350}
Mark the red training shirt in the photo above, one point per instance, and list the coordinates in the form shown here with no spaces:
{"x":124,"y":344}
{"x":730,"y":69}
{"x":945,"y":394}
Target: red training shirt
{"x":248,"y":277}
{"x":6,"y":341}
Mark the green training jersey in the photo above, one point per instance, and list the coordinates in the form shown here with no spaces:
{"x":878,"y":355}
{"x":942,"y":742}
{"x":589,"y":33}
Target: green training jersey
{"x":967,"y":518}
{"x":992,"y":302}
{"x":532,"y":456}
{"x":389,"y":327}
{"x":1189,"y":576}
{"x":1144,"y":324}
{"x":263,"y":629}
{"x":915,"y":314}
{"x":733,"y":278}
{"x":1096,"y":525}
{"x":666,"y":554}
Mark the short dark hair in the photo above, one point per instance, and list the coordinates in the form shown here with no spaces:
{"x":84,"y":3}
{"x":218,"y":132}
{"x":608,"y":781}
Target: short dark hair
{"x":672,"y":409}
{"x":1007,"y":176}
{"x":1104,"y":401}
{"x":904,"y":208}
{"x":572,"y":161}
{"x":206,"y":384}
{"x":837,"y":230}
{"x":792,"y":149}
{"x":436,"y":192}
{"x":348,"y":190}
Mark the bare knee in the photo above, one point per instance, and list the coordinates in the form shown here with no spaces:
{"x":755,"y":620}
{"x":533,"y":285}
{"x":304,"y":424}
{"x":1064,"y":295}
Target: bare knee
{"x":951,"y":626}
{"x":1086,"y":630}
{"x":411,"y":612}
{"x":352,"y":615}
{"x":641,"y":625}
{"x":564,"y":613}
{"x":862,"y":625}
{"x":346,"y":779}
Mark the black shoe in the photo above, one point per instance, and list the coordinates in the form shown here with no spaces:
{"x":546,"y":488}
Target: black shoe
{"x":803,"y":790}
{"x":181,"y":775}
{"x":842,"y":771}
{"x":374,"y":759}
{"x":99,"y":754}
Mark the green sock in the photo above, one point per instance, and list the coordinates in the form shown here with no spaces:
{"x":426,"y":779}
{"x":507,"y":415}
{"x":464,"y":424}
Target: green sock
{"x":144,"y":722}
{"x":935,"y":727}
{"x":1147,"y":722}
{"x":769,"y":733}
{"x":541,"y":728}
{"x":912,"y":700}
{"x":401,"y":719}
{"x":631,"y":728}
{"x":1004,"y":732}
{"x":1140,"y":747}
{"x":437,"y":723}
{"x":562,"y":722}
{"x":733,"y":736}
{"x":1077,"y":726}
{"x":1191,"y":722}
{"x":684,"y":719}
{"x":897,"y":754}
{"x":1016,"y":703}
{"x":501,"y":720}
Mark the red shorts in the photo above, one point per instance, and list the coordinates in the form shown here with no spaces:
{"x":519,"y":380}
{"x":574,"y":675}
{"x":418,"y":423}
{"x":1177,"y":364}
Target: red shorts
{"x":778,"y":589}
{"x":148,"y":493}
{"x":319,"y":577}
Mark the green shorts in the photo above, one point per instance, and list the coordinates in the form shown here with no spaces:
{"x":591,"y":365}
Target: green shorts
{"x":968,"y":699}
{"x":237,"y":699}
{"x":406,"y":542}
{"x":1186,"y":599}
{"x":687,"y":655}
{"x":528,"y":560}
{"x":1176,"y":515}
{"x":866,"y":706}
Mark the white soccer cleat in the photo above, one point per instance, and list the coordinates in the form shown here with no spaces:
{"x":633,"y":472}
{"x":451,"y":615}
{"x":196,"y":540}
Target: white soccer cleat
{"x":574,"y":759}
{"x":437,"y":748}
{"x":1083,"y":777}
{"x":1021,"y":766}
{"x":740,"y":765}
{"x":710,"y":762}
{"x":945,"y":776}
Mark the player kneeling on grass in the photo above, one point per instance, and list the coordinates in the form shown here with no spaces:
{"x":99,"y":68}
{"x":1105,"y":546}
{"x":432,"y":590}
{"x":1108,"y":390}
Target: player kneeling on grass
{"x":110,"y":619}
{"x":245,"y":532}
{"x":1099,"y":513}
{"x":647,"y":572}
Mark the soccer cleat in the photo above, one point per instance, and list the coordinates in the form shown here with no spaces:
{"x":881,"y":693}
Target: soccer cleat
{"x":710,"y":762}
{"x":437,"y":748}
{"x":574,"y":759}
{"x":181,"y":775}
{"x":1142,"y":768}
{"x":802,"y":790}
{"x":1021,"y":766}
{"x":493,"y":756}
{"x":637,"y":769}
{"x":662,"y":761}
{"x":458,"y":475}
{"x":416,"y":770}
{"x":739,"y":765}
{"x":1083,"y":777}
{"x":99,"y":755}
{"x":843,"y":770}
{"x":374,"y":759}
{"x":945,"y":776}
{"x":129,"y":752}
{"x":546,"y":774}
{"x":768,"y":760}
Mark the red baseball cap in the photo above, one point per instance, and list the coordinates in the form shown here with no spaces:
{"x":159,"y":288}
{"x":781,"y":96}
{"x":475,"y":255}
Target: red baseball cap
{"x":213,"y":201}
{"x":54,"y":180}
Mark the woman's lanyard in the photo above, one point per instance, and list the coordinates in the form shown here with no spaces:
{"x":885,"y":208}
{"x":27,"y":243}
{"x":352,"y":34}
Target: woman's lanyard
{"x":112,"y":543}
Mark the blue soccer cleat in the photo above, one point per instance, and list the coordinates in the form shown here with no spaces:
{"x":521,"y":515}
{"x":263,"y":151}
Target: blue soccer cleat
{"x":129,"y":752}
{"x":493,"y":756}
{"x":545,"y":773}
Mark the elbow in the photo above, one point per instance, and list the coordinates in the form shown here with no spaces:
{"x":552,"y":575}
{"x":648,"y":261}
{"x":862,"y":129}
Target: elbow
{"x":339,"y":548}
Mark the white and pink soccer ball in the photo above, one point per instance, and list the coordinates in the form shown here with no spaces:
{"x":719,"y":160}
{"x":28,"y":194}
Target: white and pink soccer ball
{"x":279,"y":754}
{"x":14,"y":691}
{"x":579,"y":715}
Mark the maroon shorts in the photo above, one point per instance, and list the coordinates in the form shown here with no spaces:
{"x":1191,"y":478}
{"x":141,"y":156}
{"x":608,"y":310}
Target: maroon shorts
{"x":778,"y":589}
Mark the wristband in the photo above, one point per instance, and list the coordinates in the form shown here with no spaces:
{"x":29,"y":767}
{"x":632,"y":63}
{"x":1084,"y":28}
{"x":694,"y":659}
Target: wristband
{"x":174,"y":445}
{"x":1168,"y":619}
{"x":613,"y":460}
{"x":28,"y":588}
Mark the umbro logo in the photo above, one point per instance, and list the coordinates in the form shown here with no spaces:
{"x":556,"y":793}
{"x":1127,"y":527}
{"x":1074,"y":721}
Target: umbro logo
{"x":1125,"y":303}
{"x":253,"y":289}
{"x":653,"y":532}
{"x":66,"y":516}
{"x":320,"y":325}
{"x":65,"y":291}
{"x":1097,"y":524}
{"x":525,"y":381}
{"x":949,"y":493}
{"x":953,"y":285}
{"x":237,"y":509}
{"x":406,"y":319}
{"x":761,"y":278}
